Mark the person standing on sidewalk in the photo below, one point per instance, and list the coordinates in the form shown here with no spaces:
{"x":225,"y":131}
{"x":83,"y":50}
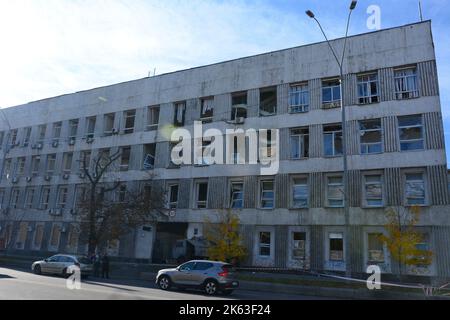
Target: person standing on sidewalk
{"x":105,"y":266}
{"x":97,"y":265}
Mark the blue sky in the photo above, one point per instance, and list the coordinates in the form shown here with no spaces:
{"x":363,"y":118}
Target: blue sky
{"x":52,"y":47}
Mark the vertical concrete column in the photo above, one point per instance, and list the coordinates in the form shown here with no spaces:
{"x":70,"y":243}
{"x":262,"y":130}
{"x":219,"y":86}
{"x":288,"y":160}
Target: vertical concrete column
{"x":140,"y":121}
{"x":283,"y":98}
{"x":253,"y":103}
{"x":315,"y":94}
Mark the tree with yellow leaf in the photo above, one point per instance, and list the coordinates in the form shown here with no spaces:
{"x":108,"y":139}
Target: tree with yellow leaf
{"x":224,"y":238}
{"x":402,"y":238}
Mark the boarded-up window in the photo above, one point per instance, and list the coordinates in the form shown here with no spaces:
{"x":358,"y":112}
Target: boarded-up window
{"x":72,"y":243}
{"x":22,"y":236}
{"x":38,"y":235}
{"x":56,"y":235}
{"x":298,"y":245}
{"x":336,"y":247}
{"x":373,"y":191}
{"x":376,"y":251}
{"x":415,"y":189}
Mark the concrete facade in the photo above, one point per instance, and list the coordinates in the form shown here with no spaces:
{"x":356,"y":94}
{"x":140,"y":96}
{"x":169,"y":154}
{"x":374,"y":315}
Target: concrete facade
{"x":307,"y":238}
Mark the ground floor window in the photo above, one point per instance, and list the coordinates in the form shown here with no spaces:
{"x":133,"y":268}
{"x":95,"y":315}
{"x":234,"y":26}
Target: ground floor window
{"x":265,"y":244}
{"x":376,"y":248}
{"x":298,"y":245}
{"x":336,"y":247}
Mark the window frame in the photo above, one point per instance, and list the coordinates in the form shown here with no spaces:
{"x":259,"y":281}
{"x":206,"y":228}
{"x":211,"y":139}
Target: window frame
{"x":411,"y":141}
{"x":201,"y":204}
{"x":425,"y":187}
{"x":125,"y":166}
{"x":334,"y":134}
{"x":403,"y":78}
{"x":171,"y":204}
{"x":299,"y":92}
{"x":330,"y":84}
{"x":180,"y":106}
{"x":45,"y":195}
{"x":266,"y":91}
{"x":364,"y":191}
{"x":364,"y":80}
{"x":28,"y":191}
{"x":129,"y":115}
{"x":262,"y":191}
{"x":368,"y":145}
{"x":152,"y":119}
{"x":330,"y":251}
{"x":265,"y":245}
{"x":207,"y":116}
{"x":328,"y":203}
{"x":233,"y":192}
{"x":302,"y":145}
{"x":292,"y":191}
{"x":63,"y":196}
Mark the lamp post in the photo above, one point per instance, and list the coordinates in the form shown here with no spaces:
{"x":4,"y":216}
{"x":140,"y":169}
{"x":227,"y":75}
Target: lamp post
{"x":340,"y":63}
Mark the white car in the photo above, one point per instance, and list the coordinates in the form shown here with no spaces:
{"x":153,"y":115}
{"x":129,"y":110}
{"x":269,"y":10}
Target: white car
{"x":60,"y":263}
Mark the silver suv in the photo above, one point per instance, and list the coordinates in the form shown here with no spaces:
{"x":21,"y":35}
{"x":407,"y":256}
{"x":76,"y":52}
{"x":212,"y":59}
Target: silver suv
{"x":211,"y":276}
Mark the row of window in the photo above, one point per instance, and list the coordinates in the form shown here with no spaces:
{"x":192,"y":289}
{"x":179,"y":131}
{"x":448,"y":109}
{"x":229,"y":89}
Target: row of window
{"x":406,"y":87}
{"x":373,"y":193}
{"x":298,"y":243}
{"x":411,"y":137}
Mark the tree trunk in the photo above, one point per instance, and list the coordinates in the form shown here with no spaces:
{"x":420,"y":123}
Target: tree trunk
{"x":92,"y":239}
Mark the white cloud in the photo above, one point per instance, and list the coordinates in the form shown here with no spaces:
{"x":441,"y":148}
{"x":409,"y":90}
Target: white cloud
{"x":52,"y":47}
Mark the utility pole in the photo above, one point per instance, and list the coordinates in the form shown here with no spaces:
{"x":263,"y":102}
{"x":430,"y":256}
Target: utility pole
{"x":340,"y":63}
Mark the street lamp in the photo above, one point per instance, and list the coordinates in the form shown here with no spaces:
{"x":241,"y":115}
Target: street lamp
{"x":340,"y":63}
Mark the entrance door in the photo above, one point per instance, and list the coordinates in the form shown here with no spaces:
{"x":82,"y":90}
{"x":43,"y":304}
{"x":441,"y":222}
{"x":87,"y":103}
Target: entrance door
{"x":144,"y":243}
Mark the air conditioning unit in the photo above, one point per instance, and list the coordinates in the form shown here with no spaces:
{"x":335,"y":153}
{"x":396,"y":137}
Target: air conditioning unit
{"x":29,"y":179}
{"x":82,"y":175}
{"x":72,"y":141}
{"x":240,"y":120}
{"x":15,"y":180}
{"x":115,"y":131}
{"x":55,"y":144}
{"x":25,"y":144}
{"x":66,"y":176}
{"x":39,"y":145}
{"x":48,"y":178}
{"x":51,"y":211}
{"x":73,"y":212}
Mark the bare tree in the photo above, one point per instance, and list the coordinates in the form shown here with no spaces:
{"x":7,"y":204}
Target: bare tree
{"x":105,"y":217}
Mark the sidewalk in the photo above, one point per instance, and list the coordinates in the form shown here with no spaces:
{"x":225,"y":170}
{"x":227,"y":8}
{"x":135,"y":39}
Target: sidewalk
{"x":258,"y":281}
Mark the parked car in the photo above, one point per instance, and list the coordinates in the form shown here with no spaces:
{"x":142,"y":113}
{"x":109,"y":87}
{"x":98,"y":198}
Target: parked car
{"x":60,"y":263}
{"x":210,"y":276}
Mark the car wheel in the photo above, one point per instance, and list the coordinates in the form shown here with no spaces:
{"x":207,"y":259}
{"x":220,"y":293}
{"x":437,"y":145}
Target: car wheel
{"x":164,"y":283}
{"x":37,"y":270}
{"x":227,"y":292}
{"x":210,"y":287}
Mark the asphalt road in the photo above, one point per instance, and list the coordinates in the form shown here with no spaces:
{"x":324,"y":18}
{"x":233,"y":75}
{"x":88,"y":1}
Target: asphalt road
{"x":23,"y":285}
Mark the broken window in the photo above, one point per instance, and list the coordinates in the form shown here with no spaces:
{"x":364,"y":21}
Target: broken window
{"x":331,"y":94}
{"x":299,"y":98}
{"x":376,"y":248}
{"x":149,"y":156}
{"x":90,"y":127}
{"x":51,"y":163}
{"x":373,"y":190}
{"x":35,"y":164}
{"x":173,"y":196}
{"x":298,"y":245}
{"x":41,"y":133}
{"x":130,"y":119}
{"x":335,"y":192}
{"x":29,"y":198}
{"x":180,"y":114}
{"x":27,"y":136}
{"x":239,"y":106}
{"x":265,"y":244}
{"x":299,"y":143}
{"x":45,"y":198}
{"x":207,"y":111}
{"x":371,"y":136}
{"x":333,"y":140}
{"x":415,"y":189}
{"x":125,"y":159}
{"x":300,"y":193}
{"x":202,"y":195}
{"x":14,"y":134}
{"x":73,"y":128}
{"x":153,"y":118}
{"x":85,"y":158}
{"x":406,"y":83}
{"x":62,"y":197}
{"x":268,"y":101}
{"x":109,"y":124}
{"x":267,"y":189}
{"x":336,"y":247}
{"x":67,"y":162}
{"x":237,"y":195}
{"x":15,"y":194}
{"x":368,"y":89}
{"x":411,"y":133}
